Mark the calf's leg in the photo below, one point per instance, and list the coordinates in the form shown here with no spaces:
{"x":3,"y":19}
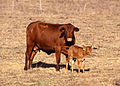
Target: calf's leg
{"x":79,"y":65}
{"x":72,"y":64}
{"x":83,"y":64}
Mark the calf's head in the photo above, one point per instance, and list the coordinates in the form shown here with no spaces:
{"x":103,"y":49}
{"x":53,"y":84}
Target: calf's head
{"x":88,"y":50}
{"x":67,"y":31}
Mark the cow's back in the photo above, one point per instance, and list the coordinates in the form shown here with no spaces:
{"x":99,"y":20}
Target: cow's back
{"x":45,"y":35}
{"x":32,"y":25}
{"x":42,"y":26}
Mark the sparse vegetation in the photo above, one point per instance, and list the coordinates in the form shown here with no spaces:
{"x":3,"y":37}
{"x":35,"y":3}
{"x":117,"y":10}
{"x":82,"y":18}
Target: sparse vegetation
{"x":98,"y":20}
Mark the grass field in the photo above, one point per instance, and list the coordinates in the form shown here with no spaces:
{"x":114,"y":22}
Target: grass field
{"x":99,"y":23}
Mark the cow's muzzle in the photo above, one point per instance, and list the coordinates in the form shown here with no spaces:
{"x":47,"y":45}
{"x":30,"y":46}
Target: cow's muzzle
{"x":69,"y":39}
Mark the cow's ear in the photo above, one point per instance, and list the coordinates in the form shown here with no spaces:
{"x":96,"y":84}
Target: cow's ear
{"x":62,"y":34}
{"x":62,"y":29}
{"x":76,"y":29}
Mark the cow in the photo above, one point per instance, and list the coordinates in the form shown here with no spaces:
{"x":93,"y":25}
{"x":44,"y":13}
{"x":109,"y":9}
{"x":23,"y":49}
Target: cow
{"x":49,"y":38}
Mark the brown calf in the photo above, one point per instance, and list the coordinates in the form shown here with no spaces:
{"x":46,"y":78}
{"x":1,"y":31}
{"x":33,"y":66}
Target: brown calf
{"x":78,"y":53}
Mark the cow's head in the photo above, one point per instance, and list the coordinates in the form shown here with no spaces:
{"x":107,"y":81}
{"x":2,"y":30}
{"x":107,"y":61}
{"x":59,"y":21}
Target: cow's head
{"x":67,"y":31}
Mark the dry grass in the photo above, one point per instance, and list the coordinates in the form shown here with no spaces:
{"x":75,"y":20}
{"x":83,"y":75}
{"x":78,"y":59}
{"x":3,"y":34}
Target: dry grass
{"x":99,"y":23}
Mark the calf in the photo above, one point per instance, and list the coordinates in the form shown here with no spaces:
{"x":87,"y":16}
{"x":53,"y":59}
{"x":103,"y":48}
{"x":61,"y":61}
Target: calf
{"x":78,"y":53}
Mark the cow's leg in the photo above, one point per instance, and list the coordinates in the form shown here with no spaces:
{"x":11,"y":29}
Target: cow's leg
{"x":57,"y":53}
{"x":34,"y":51}
{"x":28,"y":53}
{"x":30,"y":46}
{"x":26,"y":60}
{"x":67,"y":61}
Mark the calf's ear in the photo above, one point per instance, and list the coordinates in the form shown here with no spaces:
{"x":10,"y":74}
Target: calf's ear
{"x":76,"y":29}
{"x":83,"y":45}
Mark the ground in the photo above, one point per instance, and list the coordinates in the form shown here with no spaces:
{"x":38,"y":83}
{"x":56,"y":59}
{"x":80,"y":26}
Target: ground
{"x":99,"y":24}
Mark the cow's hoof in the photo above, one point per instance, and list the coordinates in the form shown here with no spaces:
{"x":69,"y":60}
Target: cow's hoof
{"x":25,"y":68}
{"x":57,"y":68}
{"x":69,"y":67}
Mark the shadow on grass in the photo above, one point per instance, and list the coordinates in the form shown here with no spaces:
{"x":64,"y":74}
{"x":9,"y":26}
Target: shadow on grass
{"x":81,"y":70}
{"x":46,"y":65}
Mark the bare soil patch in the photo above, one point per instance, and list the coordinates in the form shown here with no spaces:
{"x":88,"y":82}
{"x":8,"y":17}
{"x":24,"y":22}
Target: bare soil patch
{"x":99,"y":24}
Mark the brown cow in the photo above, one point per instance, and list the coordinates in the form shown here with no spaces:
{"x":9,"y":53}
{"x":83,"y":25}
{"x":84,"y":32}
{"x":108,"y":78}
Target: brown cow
{"x":49,"y":38}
